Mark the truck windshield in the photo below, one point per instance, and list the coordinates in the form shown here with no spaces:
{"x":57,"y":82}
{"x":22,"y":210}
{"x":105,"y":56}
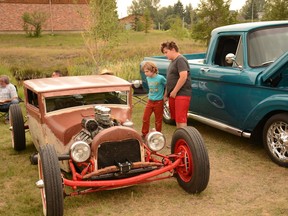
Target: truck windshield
{"x":66,"y":101}
{"x":266,"y":45}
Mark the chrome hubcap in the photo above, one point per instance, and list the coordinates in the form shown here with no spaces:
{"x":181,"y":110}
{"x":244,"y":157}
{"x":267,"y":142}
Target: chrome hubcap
{"x":277,"y":140}
{"x":166,"y":111}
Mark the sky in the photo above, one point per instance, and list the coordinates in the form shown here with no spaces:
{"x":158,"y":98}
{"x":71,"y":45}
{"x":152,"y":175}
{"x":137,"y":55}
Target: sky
{"x":122,"y":5}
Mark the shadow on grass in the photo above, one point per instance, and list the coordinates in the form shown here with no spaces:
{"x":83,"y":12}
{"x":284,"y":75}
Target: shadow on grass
{"x":224,"y":141}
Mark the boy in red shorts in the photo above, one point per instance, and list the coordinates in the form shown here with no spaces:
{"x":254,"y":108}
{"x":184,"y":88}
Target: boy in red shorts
{"x":178,"y":88}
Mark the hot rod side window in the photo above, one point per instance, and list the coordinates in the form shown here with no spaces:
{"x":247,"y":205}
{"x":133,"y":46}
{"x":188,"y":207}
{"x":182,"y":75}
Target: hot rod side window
{"x":32,"y":98}
{"x":66,"y":101}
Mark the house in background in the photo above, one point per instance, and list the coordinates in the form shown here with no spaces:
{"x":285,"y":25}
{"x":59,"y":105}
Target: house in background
{"x":130,"y":22}
{"x":63,"y":15}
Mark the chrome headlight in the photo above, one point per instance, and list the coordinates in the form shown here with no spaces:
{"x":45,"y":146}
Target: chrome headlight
{"x":155,"y":141}
{"x":80,"y":151}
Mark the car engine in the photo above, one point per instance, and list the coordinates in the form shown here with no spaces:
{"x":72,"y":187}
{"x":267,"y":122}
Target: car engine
{"x":92,"y":126}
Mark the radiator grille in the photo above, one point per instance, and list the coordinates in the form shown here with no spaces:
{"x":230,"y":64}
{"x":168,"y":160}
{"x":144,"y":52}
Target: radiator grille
{"x":111,"y":152}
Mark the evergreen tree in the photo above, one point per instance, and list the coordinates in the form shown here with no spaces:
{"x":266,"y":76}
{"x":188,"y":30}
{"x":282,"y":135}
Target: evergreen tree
{"x":147,"y":20}
{"x":188,"y":14}
{"x":252,"y":9}
{"x":276,"y":10}
{"x":211,"y":14}
{"x":178,"y":9}
{"x":139,"y":26}
{"x":138,"y":7}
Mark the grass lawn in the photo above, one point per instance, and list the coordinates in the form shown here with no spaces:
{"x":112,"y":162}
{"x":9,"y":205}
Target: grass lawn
{"x":68,"y":52}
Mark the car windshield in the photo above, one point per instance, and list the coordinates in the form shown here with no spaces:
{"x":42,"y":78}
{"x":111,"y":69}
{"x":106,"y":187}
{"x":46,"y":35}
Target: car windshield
{"x":266,"y":45}
{"x":66,"y":101}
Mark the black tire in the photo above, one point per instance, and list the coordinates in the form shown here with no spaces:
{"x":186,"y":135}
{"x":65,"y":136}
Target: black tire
{"x":166,"y":115}
{"x":275,"y":138}
{"x":17,"y":127}
{"x":194,"y":171}
{"x":49,"y":171}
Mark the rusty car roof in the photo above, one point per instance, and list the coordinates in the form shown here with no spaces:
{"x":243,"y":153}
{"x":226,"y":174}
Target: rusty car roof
{"x":74,"y":82}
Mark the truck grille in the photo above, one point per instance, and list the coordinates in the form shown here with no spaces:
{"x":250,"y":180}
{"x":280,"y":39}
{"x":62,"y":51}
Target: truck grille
{"x":111,"y":152}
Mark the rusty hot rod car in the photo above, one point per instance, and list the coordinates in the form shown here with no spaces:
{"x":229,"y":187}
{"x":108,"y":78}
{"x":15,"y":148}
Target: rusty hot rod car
{"x":81,"y":127}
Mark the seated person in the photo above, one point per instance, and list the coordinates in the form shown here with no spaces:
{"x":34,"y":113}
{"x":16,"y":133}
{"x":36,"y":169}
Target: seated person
{"x":56,"y":73}
{"x":8,"y":96}
{"x":106,"y":72}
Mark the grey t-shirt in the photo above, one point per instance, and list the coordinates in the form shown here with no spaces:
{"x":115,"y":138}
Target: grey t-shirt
{"x":176,"y":66}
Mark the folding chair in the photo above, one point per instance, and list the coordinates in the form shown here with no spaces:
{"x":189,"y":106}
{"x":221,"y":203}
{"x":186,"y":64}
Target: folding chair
{"x":3,"y":113}
{"x":140,"y":94}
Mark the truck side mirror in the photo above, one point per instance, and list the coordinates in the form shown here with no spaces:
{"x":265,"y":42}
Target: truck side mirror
{"x":230,"y":58}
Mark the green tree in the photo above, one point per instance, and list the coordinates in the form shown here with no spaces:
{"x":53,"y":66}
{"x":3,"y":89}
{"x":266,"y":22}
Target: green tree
{"x":104,"y":30}
{"x":168,"y":22}
{"x":179,"y":9}
{"x":135,"y":8}
{"x":138,"y":7}
{"x":251,"y":12}
{"x":252,"y":9}
{"x":147,"y":20}
{"x":33,"y":23}
{"x":211,"y":14}
{"x":170,"y":14}
{"x":139,"y":25}
{"x":177,"y":30}
{"x":188,"y":14}
{"x":276,"y":10}
{"x":164,"y":16}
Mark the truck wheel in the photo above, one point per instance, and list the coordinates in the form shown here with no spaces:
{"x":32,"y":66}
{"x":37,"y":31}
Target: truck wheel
{"x":50,"y":174}
{"x":194,"y":171}
{"x":166,"y":115}
{"x":275,"y":138}
{"x":17,"y":127}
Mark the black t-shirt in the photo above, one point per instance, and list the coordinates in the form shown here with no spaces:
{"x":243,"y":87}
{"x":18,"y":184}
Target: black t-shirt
{"x":177,"y":65}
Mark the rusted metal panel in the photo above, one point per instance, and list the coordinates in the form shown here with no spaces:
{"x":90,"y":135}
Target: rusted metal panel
{"x":82,"y":82}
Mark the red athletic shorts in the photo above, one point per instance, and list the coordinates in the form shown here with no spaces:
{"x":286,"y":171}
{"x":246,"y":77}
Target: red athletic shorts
{"x":179,"y":107}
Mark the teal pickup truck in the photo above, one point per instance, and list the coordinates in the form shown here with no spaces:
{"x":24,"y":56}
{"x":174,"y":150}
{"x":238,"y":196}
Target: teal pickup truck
{"x":240,"y":85}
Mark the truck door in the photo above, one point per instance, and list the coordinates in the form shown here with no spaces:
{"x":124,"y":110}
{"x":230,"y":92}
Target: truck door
{"x":219,"y":83}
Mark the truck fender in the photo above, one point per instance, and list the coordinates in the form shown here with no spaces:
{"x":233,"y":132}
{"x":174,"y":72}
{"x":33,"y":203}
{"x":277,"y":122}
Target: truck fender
{"x":266,"y":108}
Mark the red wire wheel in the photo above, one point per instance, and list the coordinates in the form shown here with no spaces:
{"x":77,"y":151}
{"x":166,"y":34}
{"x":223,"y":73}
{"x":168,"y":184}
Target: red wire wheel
{"x":193,"y":172}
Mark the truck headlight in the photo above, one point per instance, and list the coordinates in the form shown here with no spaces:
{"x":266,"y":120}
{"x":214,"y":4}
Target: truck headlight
{"x":155,"y":141}
{"x":80,"y":151}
